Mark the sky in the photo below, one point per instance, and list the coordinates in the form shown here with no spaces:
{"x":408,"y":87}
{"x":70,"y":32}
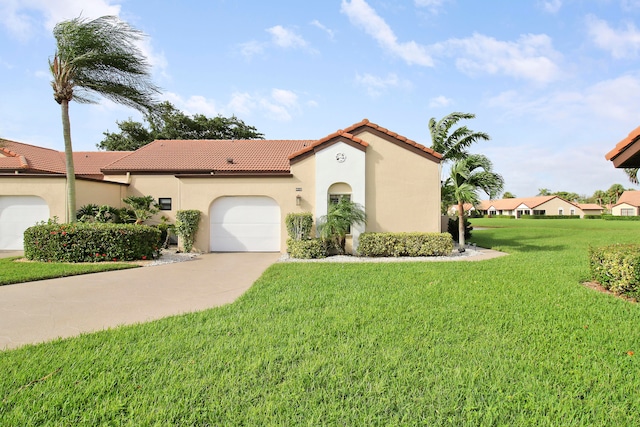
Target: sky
{"x":555,"y":83}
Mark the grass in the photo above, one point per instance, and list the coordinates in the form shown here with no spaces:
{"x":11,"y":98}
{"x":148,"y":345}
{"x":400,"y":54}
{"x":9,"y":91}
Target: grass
{"x":515,"y":340}
{"x":12,"y":271}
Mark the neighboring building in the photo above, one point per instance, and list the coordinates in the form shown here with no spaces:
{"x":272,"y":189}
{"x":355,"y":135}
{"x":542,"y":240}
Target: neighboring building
{"x":626,"y":153}
{"x":540,"y":205}
{"x":628,"y":204}
{"x":590,"y":208}
{"x":244,"y":189}
{"x":468,"y":208}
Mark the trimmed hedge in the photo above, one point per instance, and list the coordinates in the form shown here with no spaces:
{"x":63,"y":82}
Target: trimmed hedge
{"x":550,"y":217}
{"x":307,"y":249}
{"x":617,"y":268}
{"x":90,"y":242}
{"x":405,"y":244}
{"x":500,"y":216}
{"x":593,"y":217}
{"x":610,"y":217}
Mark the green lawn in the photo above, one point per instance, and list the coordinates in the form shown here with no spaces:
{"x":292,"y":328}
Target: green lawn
{"x":12,"y":271}
{"x":513,"y":341}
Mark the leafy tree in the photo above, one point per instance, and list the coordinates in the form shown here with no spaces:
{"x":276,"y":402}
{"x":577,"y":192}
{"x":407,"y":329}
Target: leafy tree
{"x":467,"y":177}
{"x":453,"y":144}
{"x":508,"y":195}
{"x":544,"y":192}
{"x":167,"y":122}
{"x":571,"y":197}
{"x":97,"y":57}
{"x":144,"y":207}
{"x":335,"y":225}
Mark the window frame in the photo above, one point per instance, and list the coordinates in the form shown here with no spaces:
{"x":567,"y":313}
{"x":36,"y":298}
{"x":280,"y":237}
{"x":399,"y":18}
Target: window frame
{"x":162,"y":203}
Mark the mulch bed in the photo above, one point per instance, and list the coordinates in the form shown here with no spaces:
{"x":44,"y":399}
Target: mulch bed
{"x":598,"y":287}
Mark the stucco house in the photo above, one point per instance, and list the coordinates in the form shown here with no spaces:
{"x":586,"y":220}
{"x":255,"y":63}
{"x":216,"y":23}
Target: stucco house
{"x":244,"y":189}
{"x":539,"y":205}
{"x":628,"y":204}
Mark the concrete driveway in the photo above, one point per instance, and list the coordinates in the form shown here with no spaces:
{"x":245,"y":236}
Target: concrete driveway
{"x":40,"y":311}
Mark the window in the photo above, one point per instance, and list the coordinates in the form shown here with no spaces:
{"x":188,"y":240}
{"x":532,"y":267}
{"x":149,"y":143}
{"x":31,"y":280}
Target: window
{"x":560,"y":211}
{"x":573,"y":211}
{"x":335,"y":198}
{"x":540,"y":212}
{"x":627,"y":212}
{"x":164,"y":203}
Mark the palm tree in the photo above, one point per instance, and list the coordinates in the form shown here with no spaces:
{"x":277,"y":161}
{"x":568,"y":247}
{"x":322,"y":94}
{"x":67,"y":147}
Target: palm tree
{"x":335,"y":225}
{"x":614,"y":192}
{"x":632,"y":174}
{"x":453,"y":146}
{"x":544,"y":192}
{"x":468,"y":175}
{"x":97,"y":57}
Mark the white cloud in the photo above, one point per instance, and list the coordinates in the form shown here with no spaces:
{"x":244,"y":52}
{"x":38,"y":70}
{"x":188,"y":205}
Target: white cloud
{"x":434,"y":6}
{"x":17,"y":15}
{"x":195,"y":104}
{"x":363,"y":16}
{"x":286,"y":38}
{"x":251,"y":48}
{"x":440,"y":101}
{"x":329,"y":31}
{"x":279,"y":105}
{"x":622,"y":43}
{"x":550,"y":6}
{"x":376,"y":85}
{"x":23,"y":18}
{"x":532,"y":57}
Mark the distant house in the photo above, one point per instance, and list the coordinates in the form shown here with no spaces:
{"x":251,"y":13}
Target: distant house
{"x":244,"y":189}
{"x":540,"y":205}
{"x":590,"y":208}
{"x":628,"y":204}
{"x":468,"y":208}
{"x":626,"y":153}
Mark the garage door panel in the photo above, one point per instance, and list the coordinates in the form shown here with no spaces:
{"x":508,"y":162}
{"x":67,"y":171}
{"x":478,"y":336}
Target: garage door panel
{"x":245,"y":224}
{"x":17,"y":213}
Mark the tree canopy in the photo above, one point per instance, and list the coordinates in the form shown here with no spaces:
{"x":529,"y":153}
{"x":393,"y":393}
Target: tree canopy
{"x":453,"y":144}
{"x":165,"y":121}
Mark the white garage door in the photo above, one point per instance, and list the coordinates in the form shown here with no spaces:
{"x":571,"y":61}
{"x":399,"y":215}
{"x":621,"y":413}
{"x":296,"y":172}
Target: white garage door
{"x":17,"y":213}
{"x":245,"y":224}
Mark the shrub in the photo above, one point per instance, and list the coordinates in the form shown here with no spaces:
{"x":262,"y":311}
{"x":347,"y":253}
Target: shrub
{"x":593,"y":217}
{"x":452,"y":228}
{"x":299,"y":225}
{"x":144,"y":207}
{"x":187,"y":223}
{"x":307,"y":249}
{"x":550,"y":217}
{"x":405,"y":244}
{"x":90,"y":242}
{"x":616,"y":267}
{"x":609,"y":217}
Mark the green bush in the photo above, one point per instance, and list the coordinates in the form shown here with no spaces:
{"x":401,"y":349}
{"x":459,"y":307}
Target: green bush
{"x":452,"y":228}
{"x":90,"y":242}
{"x":593,"y":217}
{"x":617,"y":268}
{"x":609,"y":217}
{"x":307,"y":249}
{"x":550,"y":217}
{"x":405,"y":244}
{"x":187,"y":223}
{"x":299,"y":225}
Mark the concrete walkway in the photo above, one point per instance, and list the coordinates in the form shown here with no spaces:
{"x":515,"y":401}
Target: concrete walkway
{"x":40,"y":311}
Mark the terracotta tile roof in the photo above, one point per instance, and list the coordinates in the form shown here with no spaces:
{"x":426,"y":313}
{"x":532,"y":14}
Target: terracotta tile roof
{"x":90,"y":163}
{"x":622,"y":145}
{"x":629,"y":197}
{"x":351,"y":132}
{"x":30,"y":158}
{"x":589,"y":206}
{"x":512,"y":204}
{"x":205,"y":156}
{"x":407,"y":141}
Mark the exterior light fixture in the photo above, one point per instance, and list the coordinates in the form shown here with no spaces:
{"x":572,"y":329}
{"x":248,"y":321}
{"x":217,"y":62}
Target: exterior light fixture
{"x":298,"y":200}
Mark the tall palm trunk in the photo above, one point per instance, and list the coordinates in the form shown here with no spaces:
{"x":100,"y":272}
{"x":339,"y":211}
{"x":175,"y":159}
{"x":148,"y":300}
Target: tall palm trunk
{"x":461,"y":226}
{"x":68,"y":155}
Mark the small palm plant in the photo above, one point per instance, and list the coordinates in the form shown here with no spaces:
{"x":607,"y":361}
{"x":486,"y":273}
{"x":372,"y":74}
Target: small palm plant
{"x":335,"y":225}
{"x":144,"y":207}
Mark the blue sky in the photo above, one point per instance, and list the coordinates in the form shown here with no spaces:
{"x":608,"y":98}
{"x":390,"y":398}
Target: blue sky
{"x":556,"y":83}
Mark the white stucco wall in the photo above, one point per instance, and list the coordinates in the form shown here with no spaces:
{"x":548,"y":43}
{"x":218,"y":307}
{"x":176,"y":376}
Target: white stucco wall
{"x":330,"y":171}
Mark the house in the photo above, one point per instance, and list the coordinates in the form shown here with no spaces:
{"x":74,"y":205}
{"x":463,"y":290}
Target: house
{"x":467,"y":207}
{"x":244,"y":189}
{"x":539,"y":205}
{"x":628,"y":204}
{"x":590,"y":209}
{"x":626,"y":153}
